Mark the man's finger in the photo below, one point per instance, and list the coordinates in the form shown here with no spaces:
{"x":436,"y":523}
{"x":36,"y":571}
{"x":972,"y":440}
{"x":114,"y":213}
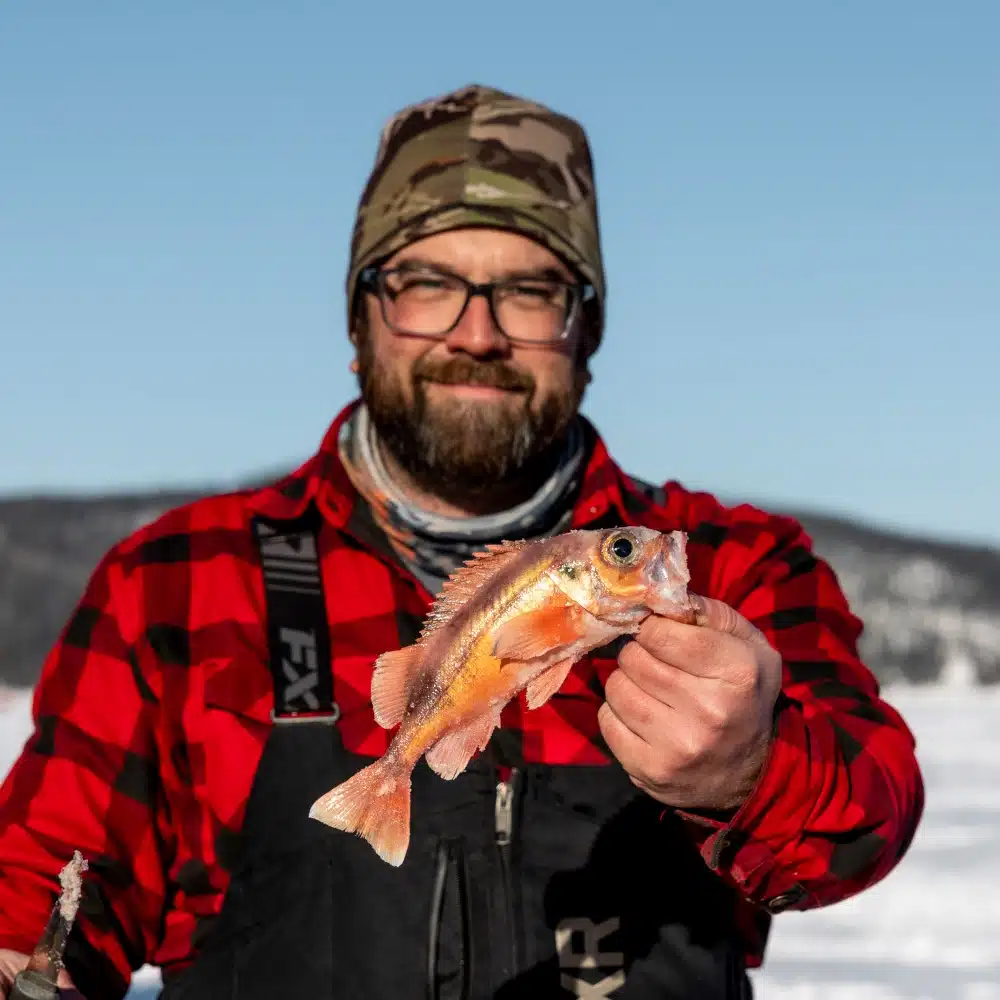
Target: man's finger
{"x":629,"y":750}
{"x":696,"y":650}
{"x":641,"y":710}
{"x":670,"y":685}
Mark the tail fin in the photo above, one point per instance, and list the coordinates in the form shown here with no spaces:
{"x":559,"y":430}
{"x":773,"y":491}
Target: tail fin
{"x":374,"y":803}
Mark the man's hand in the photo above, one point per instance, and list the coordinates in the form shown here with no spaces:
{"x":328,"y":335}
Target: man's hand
{"x":12,"y":962}
{"x":688,"y":712}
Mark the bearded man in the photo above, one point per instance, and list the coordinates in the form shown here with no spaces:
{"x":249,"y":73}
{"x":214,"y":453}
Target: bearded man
{"x":632,"y":837}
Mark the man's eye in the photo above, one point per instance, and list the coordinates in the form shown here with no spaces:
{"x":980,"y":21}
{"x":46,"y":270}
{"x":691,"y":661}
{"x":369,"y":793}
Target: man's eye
{"x":535,"y":295}
{"x":420,"y":283}
{"x":424,"y":281}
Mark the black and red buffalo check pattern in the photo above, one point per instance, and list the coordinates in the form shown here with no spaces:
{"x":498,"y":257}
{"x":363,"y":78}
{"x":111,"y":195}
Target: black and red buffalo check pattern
{"x":154,"y":705}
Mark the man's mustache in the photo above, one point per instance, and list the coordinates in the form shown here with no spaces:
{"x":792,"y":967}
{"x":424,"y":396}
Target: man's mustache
{"x":467,"y":371}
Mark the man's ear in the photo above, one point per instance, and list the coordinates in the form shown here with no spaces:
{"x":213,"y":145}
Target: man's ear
{"x":583,"y":360}
{"x":359,"y":322}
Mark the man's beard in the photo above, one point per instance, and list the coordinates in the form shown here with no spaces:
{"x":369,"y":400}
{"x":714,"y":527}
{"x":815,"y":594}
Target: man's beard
{"x":467,"y":447}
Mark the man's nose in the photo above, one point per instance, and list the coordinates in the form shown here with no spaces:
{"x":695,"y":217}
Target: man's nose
{"x":476,"y":333}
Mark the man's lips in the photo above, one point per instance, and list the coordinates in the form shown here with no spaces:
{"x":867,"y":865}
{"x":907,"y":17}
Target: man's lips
{"x":475,"y":389}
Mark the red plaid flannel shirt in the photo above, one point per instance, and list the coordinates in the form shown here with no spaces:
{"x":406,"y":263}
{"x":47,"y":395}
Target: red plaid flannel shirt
{"x":153,"y":708}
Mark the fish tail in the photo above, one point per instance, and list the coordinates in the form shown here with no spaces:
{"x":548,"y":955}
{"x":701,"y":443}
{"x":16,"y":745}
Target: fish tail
{"x":375,"y":804}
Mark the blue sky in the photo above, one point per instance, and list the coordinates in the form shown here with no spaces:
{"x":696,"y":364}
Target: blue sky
{"x":800,"y":209}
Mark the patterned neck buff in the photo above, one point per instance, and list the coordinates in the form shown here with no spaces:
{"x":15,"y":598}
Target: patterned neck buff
{"x":431,"y":545}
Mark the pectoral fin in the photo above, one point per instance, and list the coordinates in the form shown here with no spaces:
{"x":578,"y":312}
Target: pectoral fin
{"x":537,"y":633}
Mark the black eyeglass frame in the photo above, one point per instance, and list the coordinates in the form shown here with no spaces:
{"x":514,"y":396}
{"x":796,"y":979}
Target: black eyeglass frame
{"x":372,"y":280}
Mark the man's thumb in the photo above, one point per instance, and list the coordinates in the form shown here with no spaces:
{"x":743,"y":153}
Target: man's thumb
{"x":718,"y":615}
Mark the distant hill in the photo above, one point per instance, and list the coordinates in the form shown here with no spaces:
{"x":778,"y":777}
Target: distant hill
{"x":931,"y":608}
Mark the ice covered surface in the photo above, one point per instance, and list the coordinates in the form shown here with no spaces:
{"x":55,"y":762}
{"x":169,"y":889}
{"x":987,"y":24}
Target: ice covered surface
{"x":931,"y":931}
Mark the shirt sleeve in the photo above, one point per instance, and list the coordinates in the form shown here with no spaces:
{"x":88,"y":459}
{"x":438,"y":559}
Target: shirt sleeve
{"x":840,"y":797}
{"x":86,"y":780}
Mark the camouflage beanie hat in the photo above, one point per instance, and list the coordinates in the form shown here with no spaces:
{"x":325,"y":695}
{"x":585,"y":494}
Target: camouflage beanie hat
{"x":480,"y":157}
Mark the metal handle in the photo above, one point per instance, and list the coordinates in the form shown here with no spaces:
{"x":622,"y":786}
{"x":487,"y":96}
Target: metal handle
{"x":31,"y":985}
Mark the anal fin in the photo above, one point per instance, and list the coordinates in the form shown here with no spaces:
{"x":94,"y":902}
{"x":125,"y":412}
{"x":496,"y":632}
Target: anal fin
{"x":450,"y":756}
{"x":548,"y":682}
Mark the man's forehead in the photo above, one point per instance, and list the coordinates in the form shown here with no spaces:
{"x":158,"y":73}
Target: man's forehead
{"x":483,"y":250}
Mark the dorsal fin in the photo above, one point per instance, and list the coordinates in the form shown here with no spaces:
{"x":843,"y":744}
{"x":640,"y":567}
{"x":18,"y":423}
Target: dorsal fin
{"x":465,"y":581}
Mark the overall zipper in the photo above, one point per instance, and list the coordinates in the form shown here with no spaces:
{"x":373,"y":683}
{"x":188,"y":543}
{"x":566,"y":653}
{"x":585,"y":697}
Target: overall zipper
{"x":503,"y":813}
{"x":503,"y":810}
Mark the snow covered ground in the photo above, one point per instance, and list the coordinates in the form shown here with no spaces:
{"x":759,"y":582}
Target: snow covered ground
{"x":931,"y":931}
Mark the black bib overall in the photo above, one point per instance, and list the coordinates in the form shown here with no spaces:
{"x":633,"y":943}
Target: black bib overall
{"x":559,"y":882}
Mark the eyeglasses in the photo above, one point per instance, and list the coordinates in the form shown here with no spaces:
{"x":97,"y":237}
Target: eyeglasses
{"x":420,"y":302}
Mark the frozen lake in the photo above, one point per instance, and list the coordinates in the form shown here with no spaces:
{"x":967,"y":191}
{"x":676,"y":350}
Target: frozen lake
{"x":931,"y":931}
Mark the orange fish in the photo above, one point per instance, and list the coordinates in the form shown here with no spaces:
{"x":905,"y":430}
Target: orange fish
{"x":516,"y":617}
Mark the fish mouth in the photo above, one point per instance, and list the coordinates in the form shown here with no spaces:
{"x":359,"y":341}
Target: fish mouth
{"x":668,"y":577}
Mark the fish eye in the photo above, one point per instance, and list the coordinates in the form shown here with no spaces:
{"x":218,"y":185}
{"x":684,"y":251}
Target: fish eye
{"x":621,"y":549}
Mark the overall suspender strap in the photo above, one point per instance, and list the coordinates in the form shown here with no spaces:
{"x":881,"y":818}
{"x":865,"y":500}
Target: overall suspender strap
{"x":297,"y":631}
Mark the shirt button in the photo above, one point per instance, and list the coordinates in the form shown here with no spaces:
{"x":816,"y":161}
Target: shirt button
{"x":785,"y":899}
